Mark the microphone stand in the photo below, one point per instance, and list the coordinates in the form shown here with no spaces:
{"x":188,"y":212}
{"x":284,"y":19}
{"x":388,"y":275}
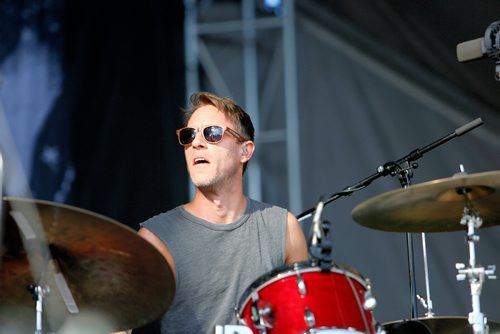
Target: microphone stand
{"x":390,"y":167}
{"x":402,"y":167}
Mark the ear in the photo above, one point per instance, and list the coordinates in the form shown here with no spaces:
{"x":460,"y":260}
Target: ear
{"x":247,"y":149}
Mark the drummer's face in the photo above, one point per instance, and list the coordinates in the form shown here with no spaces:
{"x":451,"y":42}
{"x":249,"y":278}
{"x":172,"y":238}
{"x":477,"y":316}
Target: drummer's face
{"x":212,"y":164}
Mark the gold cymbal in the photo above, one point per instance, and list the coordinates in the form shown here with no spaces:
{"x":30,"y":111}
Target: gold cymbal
{"x":112,"y":273}
{"x":434,"y":206}
{"x":436,"y":325}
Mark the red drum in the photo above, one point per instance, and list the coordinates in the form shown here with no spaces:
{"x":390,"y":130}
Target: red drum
{"x":300,"y":298}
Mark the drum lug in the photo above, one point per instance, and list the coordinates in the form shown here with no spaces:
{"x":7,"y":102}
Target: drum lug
{"x":309,"y":318}
{"x":239,"y":319}
{"x":261,"y":314}
{"x":301,"y":285}
{"x":369,"y":302}
{"x":380,"y":330}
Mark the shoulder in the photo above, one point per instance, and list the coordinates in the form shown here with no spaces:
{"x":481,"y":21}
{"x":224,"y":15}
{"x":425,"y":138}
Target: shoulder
{"x":170,"y":215}
{"x":265,"y":208}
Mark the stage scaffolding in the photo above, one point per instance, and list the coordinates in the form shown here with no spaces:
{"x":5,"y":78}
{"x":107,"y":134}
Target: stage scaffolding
{"x":206,"y":21}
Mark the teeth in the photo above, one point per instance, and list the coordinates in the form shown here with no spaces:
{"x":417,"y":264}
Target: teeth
{"x":198,"y":160}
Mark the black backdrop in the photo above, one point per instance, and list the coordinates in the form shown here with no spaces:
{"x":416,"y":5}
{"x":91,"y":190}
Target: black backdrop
{"x":115,"y":118}
{"x":122,"y":90}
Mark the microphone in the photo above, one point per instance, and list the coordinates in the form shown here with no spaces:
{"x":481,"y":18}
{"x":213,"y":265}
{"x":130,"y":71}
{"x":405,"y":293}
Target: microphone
{"x":488,"y":45}
{"x":471,"y":50}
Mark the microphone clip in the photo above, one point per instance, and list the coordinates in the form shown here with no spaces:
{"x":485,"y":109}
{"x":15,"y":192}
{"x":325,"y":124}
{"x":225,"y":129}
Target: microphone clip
{"x":321,"y":246}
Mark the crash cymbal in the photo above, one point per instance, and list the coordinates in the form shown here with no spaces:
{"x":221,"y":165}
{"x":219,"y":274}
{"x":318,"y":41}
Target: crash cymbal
{"x":435,"y":325}
{"x":112,"y":273}
{"x":434,"y":206}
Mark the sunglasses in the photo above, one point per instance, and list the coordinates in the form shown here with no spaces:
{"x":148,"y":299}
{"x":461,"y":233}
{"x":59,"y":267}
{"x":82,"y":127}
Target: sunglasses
{"x":211,"y":133}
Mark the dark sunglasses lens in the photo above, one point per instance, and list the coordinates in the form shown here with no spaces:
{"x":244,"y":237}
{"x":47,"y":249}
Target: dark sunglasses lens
{"x":187,"y":135}
{"x":213,"y":134}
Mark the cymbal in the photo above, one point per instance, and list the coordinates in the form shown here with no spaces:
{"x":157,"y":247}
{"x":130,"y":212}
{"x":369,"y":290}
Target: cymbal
{"x":436,"y":325}
{"x":112,"y":273}
{"x":434,"y":206}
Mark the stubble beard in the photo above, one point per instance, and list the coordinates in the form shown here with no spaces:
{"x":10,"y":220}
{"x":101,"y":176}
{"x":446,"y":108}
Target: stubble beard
{"x":212,"y":181}
{"x":206,"y":182}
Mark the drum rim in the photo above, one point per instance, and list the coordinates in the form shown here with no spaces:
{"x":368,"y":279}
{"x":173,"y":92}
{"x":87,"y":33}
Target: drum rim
{"x":287,"y":270}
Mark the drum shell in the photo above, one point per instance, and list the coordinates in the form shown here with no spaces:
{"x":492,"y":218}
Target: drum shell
{"x":335,"y":299}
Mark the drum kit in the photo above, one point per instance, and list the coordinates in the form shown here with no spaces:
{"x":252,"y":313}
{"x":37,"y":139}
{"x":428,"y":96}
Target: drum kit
{"x":68,"y":270}
{"x":306,"y":298}
{"x":322,"y":297}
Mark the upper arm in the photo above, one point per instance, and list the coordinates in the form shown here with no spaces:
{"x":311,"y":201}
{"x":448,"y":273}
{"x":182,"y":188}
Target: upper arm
{"x":295,"y":244}
{"x":159,"y":245}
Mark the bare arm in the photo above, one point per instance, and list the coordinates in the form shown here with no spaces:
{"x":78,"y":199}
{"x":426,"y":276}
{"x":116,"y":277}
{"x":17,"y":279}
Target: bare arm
{"x":159,"y":245}
{"x":162,"y":248}
{"x":295,"y":244}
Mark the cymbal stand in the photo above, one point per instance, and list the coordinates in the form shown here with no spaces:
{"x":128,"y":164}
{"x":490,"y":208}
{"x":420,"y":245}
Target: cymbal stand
{"x":428,"y":302}
{"x":476,"y":274}
{"x":404,"y":170}
{"x":43,"y":265}
{"x":38,"y":293}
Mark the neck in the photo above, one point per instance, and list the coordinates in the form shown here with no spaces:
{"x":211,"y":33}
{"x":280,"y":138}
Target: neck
{"x":218,"y":207}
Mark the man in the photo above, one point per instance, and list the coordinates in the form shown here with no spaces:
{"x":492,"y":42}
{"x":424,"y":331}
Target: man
{"x":221,"y":241}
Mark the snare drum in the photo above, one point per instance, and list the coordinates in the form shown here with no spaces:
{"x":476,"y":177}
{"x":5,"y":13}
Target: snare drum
{"x":299,"y":298}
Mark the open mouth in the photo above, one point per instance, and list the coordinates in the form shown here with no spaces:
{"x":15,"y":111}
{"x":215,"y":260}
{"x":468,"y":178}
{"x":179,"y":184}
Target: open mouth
{"x":198,"y":161}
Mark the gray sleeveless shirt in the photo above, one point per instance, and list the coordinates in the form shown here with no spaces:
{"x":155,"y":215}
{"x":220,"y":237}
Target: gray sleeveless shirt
{"x":216,"y":263}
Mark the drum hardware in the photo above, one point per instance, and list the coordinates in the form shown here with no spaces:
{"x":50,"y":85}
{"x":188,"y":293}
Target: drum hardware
{"x":476,"y":274}
{"x":309,"y":318}
{"x":436,"y":206}
{"x":405,"y":173}
{"x":388,"y":168}
{"x":42,"y":266}
{"x":262,"y":316}
{"x":425,"y":305}
{"x":369,"y":301}
{"x":320,"y":247}
{"x":333,"y":302}
{"x":38,"y":293}
{"x":403,"y":167}
{"x":361,"y":304}
{"x":432,"y":206}
{"x":93,"y":263}
{"x":301,"y":285}
{"x":321,"y":256}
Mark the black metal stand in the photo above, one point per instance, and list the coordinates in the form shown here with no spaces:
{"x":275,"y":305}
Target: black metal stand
{"x":403,"y":168}
{"x":389,"y":167}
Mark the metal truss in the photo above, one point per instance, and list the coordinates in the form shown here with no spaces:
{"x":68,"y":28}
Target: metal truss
{"x":218,"y":33}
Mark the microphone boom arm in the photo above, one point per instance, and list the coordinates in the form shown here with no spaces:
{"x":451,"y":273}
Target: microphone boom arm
{"x":394,"y":167}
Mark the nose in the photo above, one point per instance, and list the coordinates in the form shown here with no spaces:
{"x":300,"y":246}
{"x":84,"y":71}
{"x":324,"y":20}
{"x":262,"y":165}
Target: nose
{"x":198,"y":140}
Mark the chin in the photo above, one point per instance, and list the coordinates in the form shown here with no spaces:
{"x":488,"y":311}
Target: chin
{"x":203,"y":182}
